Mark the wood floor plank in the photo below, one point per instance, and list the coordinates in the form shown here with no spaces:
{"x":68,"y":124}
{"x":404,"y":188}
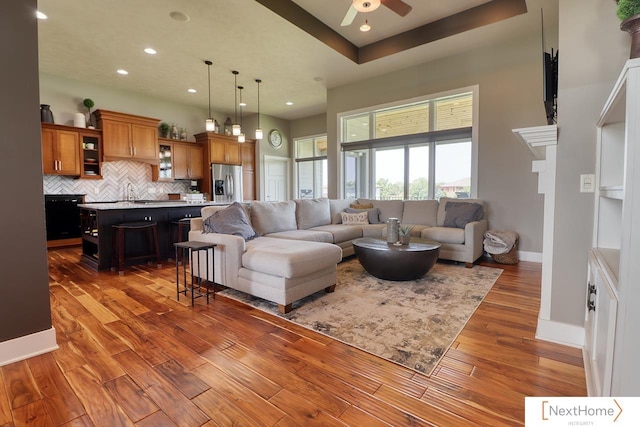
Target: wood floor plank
{"x":20,"y":385}
{"x":157,"y":419}
{"x":32,"y":414}
{"x":83,"y":421}
{"x":168,"y":398}
{"x":189,"y":384}
{"x":61,"y":404}
{"x":303,"y":411}
{"x":133,"y":400}
{"x":254,"y":405}
{"x":224,"y":411}
{"x":97,"y":358}
{"x":284,"y":379}
{"x":137,"y":341}
{"x":100,"y":407}
{"x":354,"y":416}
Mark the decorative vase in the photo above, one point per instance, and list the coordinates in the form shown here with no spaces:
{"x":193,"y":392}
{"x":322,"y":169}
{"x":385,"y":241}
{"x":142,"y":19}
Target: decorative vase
{"x":183,"y":134}
{"x":174,"y":131}
{"x":632,"y":26}
{"x":79,"y":120}
{"x":405,"y":239}
{"x":46,"y":116}
{"x":393,"y":227}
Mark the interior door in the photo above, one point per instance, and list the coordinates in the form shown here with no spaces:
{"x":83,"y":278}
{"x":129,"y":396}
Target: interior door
{"x":276,"y":179}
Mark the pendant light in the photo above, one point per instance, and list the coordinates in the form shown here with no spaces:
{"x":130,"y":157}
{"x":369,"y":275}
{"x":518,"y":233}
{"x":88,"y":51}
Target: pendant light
{"x":235,"y":129}
{"x":209,"y":124}
{"x":259,"y":133}
{"x":241,"y":137}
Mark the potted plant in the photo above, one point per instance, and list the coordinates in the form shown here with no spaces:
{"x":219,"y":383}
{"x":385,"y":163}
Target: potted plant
{"x":628,"y":12}
{"x":91,"y":118}
{"x":405,"y":234}
{"x":164,"y":129}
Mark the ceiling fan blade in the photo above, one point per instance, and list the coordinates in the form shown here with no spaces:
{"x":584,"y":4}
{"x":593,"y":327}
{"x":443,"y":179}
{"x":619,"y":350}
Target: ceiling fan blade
{"x":398,"y":6}
{"x":350,"y":16}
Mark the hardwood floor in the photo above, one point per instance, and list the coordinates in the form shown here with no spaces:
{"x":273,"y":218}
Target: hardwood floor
{"x":130,"y":354}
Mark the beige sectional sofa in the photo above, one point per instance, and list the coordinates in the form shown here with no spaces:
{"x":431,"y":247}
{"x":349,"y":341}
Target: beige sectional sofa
{"x":301,"y":241}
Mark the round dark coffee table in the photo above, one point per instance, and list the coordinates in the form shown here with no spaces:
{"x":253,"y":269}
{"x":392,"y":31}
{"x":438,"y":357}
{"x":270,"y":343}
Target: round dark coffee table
{"x":390,"y":262}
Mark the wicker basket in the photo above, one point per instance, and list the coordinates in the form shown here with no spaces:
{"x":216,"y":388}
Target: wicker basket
{"x":510,"y":257}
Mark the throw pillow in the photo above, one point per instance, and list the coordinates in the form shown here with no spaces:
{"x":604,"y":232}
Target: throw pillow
{"x":361,"y":206}
{"x":355,"y":218}
{"x":232,"y":220}
{"x":459,"y":214}
{"x":374,"y":214}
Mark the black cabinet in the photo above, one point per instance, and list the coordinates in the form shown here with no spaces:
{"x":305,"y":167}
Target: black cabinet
{"x":97,"y":235}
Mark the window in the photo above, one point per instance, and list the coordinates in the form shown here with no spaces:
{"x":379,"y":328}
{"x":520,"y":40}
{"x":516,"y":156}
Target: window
{"x":415,"y":151}
{"x":311,"y":167}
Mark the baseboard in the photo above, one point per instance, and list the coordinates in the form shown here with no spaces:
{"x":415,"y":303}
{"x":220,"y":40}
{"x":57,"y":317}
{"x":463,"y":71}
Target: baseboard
{"x":530,"y":256}
{"x":28,"y":346}
{"x":560,"y":333}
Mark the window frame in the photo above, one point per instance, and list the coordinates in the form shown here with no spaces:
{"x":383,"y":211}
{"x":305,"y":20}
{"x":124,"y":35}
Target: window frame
{"x":451,"y":135}
{"x":311,"y":159}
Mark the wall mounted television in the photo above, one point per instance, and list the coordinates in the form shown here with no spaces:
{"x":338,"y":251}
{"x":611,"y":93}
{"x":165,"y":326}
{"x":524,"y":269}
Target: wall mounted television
{"x":550,"y":85}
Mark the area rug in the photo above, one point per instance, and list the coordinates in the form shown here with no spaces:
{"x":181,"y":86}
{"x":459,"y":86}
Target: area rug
{"x":411,"y":323}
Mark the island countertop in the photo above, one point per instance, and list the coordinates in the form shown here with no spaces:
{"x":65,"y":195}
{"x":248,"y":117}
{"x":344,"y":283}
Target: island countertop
{"x":98,"y":219}
{"x":146,"y":204}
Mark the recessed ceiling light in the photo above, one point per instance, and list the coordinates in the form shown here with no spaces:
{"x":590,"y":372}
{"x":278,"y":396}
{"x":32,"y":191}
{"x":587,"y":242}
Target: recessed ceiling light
{"x":150,"y":50}
{"x":243,"y":104}
{"x":123,"y":72}
{"x":289,"y":103}
{"x":179,"y":16}
{"x":40,"y":15}
{"x":191,"y":90}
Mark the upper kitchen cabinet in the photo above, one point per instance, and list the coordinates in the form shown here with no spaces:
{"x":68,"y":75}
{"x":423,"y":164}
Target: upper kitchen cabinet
{"x":128,"y":137}
{"x":189,"y":161}
{"x":220,"y":148}
{"x":60,"y":150}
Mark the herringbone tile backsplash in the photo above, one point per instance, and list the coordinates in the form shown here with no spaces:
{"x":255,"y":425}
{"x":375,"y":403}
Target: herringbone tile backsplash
{"x":113,"y":185}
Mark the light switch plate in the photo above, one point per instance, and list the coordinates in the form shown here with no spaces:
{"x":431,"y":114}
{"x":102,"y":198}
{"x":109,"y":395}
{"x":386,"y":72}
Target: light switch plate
{"x":587,"y":183}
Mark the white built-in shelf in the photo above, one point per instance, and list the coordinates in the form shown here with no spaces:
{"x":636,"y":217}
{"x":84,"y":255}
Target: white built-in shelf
{"x":609,"y":260}
{"x":612,"y":192}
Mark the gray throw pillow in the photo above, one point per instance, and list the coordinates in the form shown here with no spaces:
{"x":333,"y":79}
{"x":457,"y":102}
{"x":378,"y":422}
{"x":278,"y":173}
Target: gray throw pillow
{"x":231,"y":220}
{"x":374,"y":214}
{"x":459,"y":214}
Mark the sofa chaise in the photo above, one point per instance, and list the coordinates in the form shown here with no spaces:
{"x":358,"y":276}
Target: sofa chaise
{"x":297,"y":244}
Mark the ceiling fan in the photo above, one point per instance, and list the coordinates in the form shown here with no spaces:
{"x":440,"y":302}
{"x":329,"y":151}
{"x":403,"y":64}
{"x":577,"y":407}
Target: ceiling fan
{"x":398,"y":6}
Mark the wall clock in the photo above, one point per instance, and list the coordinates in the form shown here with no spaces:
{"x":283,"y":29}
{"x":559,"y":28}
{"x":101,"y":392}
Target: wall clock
{"x":275,"y":138}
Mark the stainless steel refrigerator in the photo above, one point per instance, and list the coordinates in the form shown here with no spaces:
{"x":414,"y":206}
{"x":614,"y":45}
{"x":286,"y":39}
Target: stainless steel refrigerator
{"x":227,"y":183}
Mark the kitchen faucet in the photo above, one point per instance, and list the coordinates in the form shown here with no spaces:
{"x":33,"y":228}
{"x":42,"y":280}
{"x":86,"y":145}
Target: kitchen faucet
{"x":131,"y":193}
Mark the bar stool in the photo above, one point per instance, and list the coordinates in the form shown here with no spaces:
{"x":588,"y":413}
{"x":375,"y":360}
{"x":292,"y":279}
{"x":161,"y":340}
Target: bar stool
{"x":118,"y":242}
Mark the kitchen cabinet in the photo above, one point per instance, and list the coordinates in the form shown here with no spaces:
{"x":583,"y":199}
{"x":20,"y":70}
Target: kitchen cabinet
{"x":188,"y":161}
{"x":248,"y":157}
{"x":179,"y":160}
{"x":60,"y":150}
{"x":227,"y":150}
{"x":128,"y":137}
{"x":90,"y":154}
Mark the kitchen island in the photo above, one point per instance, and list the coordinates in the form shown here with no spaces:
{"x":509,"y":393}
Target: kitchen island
{"x":97,"y":220}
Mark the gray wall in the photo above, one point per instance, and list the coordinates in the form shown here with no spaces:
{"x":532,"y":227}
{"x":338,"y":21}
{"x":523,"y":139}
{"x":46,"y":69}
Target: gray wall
{"x":593,"y":51}
{"x":509,"y":76}
{"x":24,"y":289}
{"x":65,"y":97}
{"x":309,"y":126}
